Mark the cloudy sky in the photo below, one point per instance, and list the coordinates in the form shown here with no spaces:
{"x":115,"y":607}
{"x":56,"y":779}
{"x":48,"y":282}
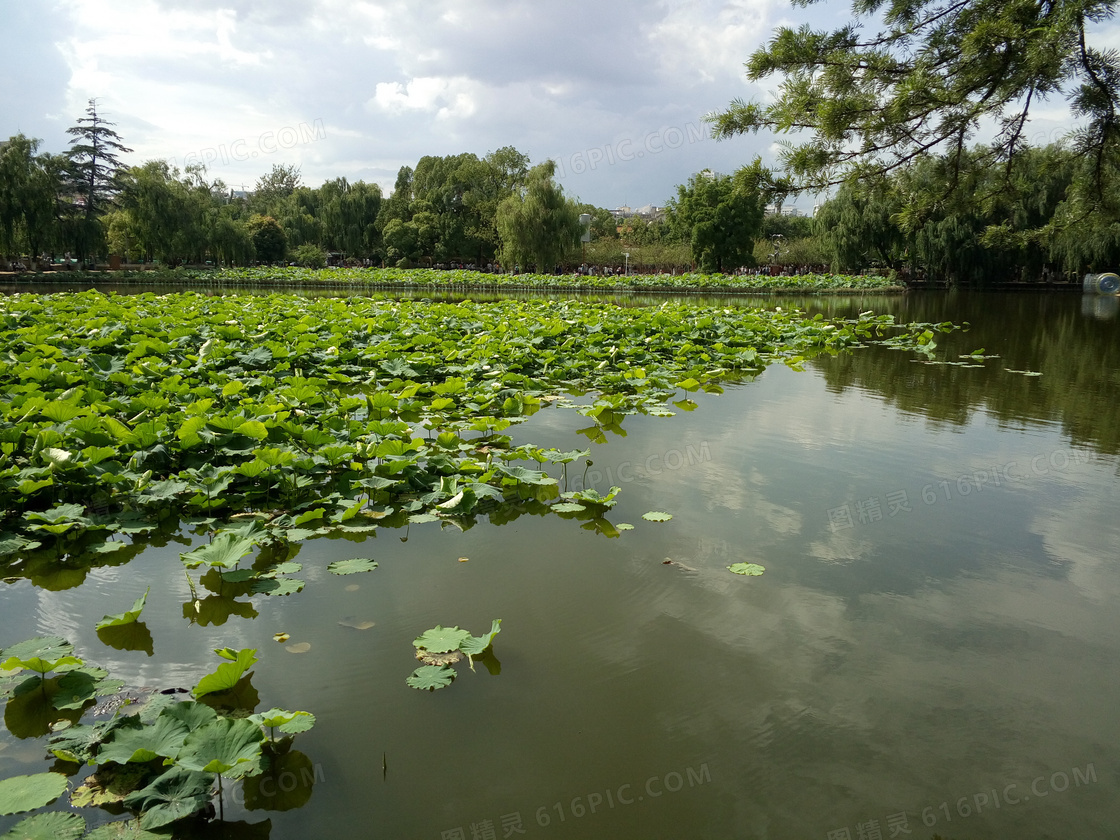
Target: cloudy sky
{"x":614,"y":92}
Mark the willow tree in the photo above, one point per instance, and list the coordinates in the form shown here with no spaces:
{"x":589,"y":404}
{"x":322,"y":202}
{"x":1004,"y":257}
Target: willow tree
{"x":29,"y":187}
{"x":537,"y":224}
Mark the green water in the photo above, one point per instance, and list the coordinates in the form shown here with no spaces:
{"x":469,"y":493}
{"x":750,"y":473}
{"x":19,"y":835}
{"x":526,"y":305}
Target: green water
{"x":935,"y":638}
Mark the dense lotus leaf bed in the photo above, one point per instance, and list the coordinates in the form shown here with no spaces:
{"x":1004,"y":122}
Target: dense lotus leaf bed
{"x":121,"y":413}
{"x":425,"y":278}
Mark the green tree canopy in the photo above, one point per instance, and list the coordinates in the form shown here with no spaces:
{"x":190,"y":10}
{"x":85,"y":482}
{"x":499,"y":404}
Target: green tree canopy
{"x":94,"y":155}
{"x":269,"y":242}
{"x":537,"y":224}
{"x":29,"y":188}
{"x":911,"y":77}
{"x":274,"y":187}
{"x":720,"y":216}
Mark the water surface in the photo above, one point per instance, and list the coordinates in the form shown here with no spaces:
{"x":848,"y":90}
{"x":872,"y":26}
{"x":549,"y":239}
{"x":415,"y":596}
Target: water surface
{"x":931,"y":649}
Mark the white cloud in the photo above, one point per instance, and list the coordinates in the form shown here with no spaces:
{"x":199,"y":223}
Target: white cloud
{"x":397,"y":80}
{"x":447,"y":98}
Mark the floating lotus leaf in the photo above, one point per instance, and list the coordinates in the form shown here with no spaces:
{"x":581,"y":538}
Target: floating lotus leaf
{"x":51,"y":826}
{"x":26,"y":793}
{"x":657,"y":516}
{"x":352,"y":567}
{"x":431,"y":677}
{"x":277,"y":586}
{"x":441,"y":639}
{"x":747,"y":569}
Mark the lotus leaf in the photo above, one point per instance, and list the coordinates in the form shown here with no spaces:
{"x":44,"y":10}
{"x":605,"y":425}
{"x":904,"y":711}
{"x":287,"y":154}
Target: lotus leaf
{"x":431,"y":677}
{"x":50,"y":826}
{"x":290,"y":723}
{"x":441,"y":639}
{"x":162,"y":739}
{"x":126,"y":617}
{"x":177,"y":793}
{"x":229,"y":673}
{"x":228,"y":747}
{"x":475,"y":645}
{"x":352,"y":566}
{"x":26,"y":793}
{"x":225,"y":552}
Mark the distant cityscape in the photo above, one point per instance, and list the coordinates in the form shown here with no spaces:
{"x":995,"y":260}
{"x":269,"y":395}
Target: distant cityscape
{"x":651,"y":212}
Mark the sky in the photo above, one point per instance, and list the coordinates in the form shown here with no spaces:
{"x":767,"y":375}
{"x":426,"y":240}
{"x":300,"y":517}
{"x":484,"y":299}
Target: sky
{"x":615,"y":93}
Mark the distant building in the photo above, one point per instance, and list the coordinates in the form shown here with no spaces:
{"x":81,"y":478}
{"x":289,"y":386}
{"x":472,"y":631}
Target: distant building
{"x":772,"y":210}
{"x":648,"y":213}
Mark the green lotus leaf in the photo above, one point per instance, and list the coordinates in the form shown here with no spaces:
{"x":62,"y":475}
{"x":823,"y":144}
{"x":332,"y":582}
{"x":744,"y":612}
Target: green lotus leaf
{"x":225,"y":552}
{"x":229,"y":747}
{"x":81,"y":686}
{"x":51,"y":826}
{"x":431,"y":677}
{"x":475,"y":645}
{"x":289,"y":568}
{"x":657,"y":516}
{"x":525,"y":476}
{"x":26,"y":793}
{"x":441,"y":639}
{"x":80,"y":743}
{"x":568,"y":507}
{"x":227,"y":674}
{"x":747,"y":569}
{"x":352,"y":566}
{"x":126,"y":617}
{"x":42,"y":666}
{"x":290,"y":723}
{"x":165,"y":489}
{"x":277,"y":586}
{"x":46,"y":647}
{"x":162,"y":739}
{"x":177,"y":793}
{"x":14,"y":543}
{"x":190,"y":714}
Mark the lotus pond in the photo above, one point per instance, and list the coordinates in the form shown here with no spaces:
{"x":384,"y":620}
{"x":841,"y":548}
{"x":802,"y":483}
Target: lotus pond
{"x":278,"y":566}
{"x":467,"y":281}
